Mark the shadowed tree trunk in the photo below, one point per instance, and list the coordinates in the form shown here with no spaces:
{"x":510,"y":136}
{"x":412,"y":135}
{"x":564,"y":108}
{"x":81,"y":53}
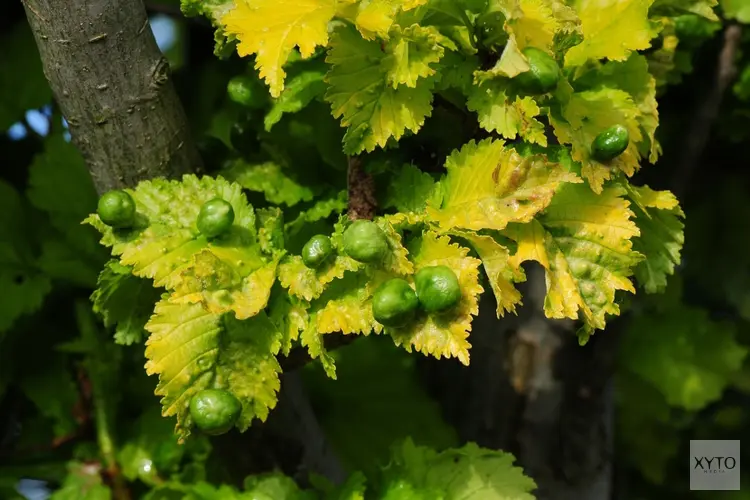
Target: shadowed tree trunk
{"x":113,"y":86}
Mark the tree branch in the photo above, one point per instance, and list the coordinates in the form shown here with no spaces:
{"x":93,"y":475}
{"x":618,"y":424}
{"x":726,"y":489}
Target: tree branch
{"x":708,"y":111}
{"x":113,"y":86}
{"x":361,"y":187}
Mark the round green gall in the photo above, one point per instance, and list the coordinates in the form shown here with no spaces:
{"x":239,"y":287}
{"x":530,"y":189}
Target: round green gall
{"x":116,"y":209}
{"x":215,"y":218}
{"x":543,"y":72}
{"x":610,"y":143}
{"x":365,"y":242}
{"x":241,"y":90}
{"x":215,"y":411}
{"x":316,"y":251}
{"x":394,"y":303}
{"x":437,"y":288}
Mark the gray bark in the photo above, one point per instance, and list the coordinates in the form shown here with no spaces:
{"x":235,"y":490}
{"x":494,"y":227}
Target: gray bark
{"x":113,"y":86}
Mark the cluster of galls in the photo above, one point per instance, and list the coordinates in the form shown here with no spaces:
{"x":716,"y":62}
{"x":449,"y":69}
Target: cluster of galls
{"x":394,"y":302}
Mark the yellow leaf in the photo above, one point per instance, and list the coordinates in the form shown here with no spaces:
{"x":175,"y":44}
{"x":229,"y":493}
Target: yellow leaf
{"x":346,"y":307}
{"x":443,"y":335}
{"x":489,"y":186}
{"x":612,"y":29}
{"x":584,"y":242}
{"x":500,"y":272}
{"x":508,"y":115}
{"x":307,"y":283}
{"x":272,"y":28}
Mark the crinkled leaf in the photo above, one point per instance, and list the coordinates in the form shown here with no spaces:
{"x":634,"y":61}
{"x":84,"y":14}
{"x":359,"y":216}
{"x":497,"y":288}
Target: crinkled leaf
{"x":507,"y":114}
{"x":443,"y":335}
{"x":688,"y":357}
{"x":290,"y":317}
{"x":470,"y":473}
{"x":308,"y":284}
{"x":270,"y":179}
{"x":124,"y":301}
{"x":271,"y":231}
{"x":274,"y":486}
{"x":411,"y":54}
{"x":633,"y":77}
{"x":192,"y":349}
{"x":703,"y":8}
{"x":316,"y":348}
{"x":219,"y":288}
{"x":584,"y":115}
{"x":489,"y":186}
{"x":300,"y":91}
{"x":583,"y":240}
{"x":658,"y":217}
{"x":346,"y":307}
{"x":226,"y":273}
{"x":270,"y":29}
{"x":372,"y":110}
{"x":500,"y":273}
{"x":409,"y":189}
{"x":611,"y":29}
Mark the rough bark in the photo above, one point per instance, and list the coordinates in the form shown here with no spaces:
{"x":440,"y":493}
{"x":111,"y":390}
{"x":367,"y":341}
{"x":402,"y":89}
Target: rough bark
{"x":113,"y":86}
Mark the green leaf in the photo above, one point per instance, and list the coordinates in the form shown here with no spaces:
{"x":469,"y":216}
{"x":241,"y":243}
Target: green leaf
{"x":346,"y":307}
{"x":583,"y":240}
{"x":443,"y":335}
{"x":409,"y":189}
{"x":411,"y":54}
{"x":54,"y":392}
{"x":289,"y":315}
{"x":657,"y":215}
{"x":24,"y":285}
{"x":316,"y":348}
{"x":300,"y":91}
{"x":124,"y":301}
{"x":612,"y":29}
{"x":274,"y":486}
{"x":322,"y":209}
{"x":372,"y":110}
{"x":270,"y":179}
{"x":83,"y":482}
{"x":191,"y":350}
{"x":470,"y":472}
{"x":685,"y":355}
{"x":736,"y":9}
{"x":22,"y":82}
{"x":489,"y":186}
{"x":501,"y":111}
{"x":703,"y":8}
{"x":225,"y":274}
{"x":376,"y":401}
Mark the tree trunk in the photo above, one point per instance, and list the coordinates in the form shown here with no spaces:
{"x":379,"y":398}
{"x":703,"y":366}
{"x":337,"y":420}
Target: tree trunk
{"x":533,"y":391}
{"x":114,"y":89}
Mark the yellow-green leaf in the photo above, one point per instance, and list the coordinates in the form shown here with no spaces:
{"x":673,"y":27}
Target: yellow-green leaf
{"x":443,"y":335}
{"x":510,"y":115}
{"x":411,"y":54}
{"x":192,"y":349}
{"x":308,"y":284}
{"x":584,"y":241}
{"x":489,"y":186}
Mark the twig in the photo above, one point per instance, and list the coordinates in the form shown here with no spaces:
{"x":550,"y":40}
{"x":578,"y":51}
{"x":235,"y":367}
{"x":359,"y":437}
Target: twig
{"x":361,"y":187}
{"x":708,"y":111}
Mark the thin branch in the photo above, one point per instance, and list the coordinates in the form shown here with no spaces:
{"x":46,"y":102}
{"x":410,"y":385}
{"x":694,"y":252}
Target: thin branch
{"x":361,"y":187}
{"x":708,"y":111}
